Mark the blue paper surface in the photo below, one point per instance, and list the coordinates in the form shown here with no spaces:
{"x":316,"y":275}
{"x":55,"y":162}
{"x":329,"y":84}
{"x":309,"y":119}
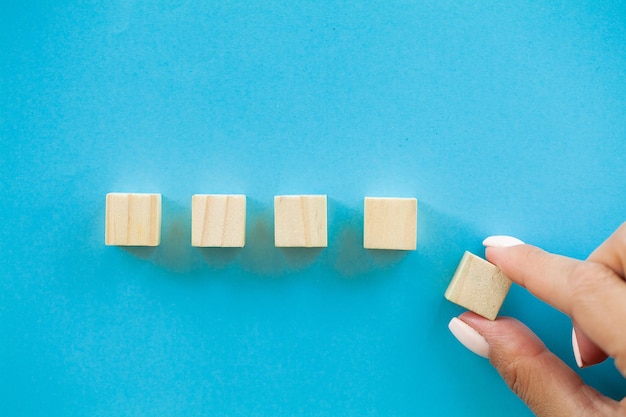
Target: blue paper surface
{"x":499,"y":118}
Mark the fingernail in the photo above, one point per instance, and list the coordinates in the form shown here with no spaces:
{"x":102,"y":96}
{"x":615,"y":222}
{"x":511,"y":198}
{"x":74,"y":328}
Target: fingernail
{"x":579,"y":359}
{"x":501,"y":241}
{"x":469,"y":337}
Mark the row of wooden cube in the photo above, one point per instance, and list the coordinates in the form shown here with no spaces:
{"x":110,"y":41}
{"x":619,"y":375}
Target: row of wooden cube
{"x":301,"y":221}
{"x":220,"y":221}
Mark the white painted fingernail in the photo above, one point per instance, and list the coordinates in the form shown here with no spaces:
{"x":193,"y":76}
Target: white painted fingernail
{"x":501,"y":241}
{"x":469,"y":337}
{"x":579,"y":360}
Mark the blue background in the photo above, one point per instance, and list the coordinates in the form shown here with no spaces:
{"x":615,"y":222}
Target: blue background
{"x":499,"y":118}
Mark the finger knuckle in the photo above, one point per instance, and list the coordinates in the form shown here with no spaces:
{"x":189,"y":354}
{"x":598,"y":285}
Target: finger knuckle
{"x":516,"y":377}
{"x":526,"y":378}
{"x":585,"y":281}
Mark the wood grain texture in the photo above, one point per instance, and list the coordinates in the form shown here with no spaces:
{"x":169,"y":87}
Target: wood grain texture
{"x":218,"y":220}
{"x":133,"y":219}
{"x":390,"y":223}
{"x":300,"y":221}
{"x":478,"y":286}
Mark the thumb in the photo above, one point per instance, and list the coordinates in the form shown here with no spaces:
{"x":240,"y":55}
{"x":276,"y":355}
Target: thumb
{"x":546,"y":384}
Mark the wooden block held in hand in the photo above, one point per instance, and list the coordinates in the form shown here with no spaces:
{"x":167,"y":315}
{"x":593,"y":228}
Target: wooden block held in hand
{"x":218,"y":220}
{"x":133,"y":219}
{"x":390,"y":223}
{"x":478,"y":286}
{"x":300,"y":221}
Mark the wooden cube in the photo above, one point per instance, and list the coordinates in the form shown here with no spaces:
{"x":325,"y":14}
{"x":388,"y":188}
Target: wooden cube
{"x":300,"y":221}
{"x":478,"y":286}
{"x":133,"y":219}
{"x":390,"y":223}
{"x":218,"y":220}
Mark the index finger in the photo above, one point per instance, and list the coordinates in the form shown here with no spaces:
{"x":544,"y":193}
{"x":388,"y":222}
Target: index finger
{"x":545,"y":275}
{"x":589,"y":292}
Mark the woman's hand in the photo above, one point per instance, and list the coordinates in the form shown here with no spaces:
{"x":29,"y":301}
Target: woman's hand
{"x":592,"y":293}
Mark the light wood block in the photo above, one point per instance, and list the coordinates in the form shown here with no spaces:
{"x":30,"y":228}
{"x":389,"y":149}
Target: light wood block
{"x":300,"y":221}
{"x":478,"y":286}
{"x":390,"y":223}
{"x":133,"y":219}
{"x":218,"y":220}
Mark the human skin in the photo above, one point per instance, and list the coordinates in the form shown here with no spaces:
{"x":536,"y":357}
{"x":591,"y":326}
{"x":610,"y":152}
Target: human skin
{"x":593,"y":294}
